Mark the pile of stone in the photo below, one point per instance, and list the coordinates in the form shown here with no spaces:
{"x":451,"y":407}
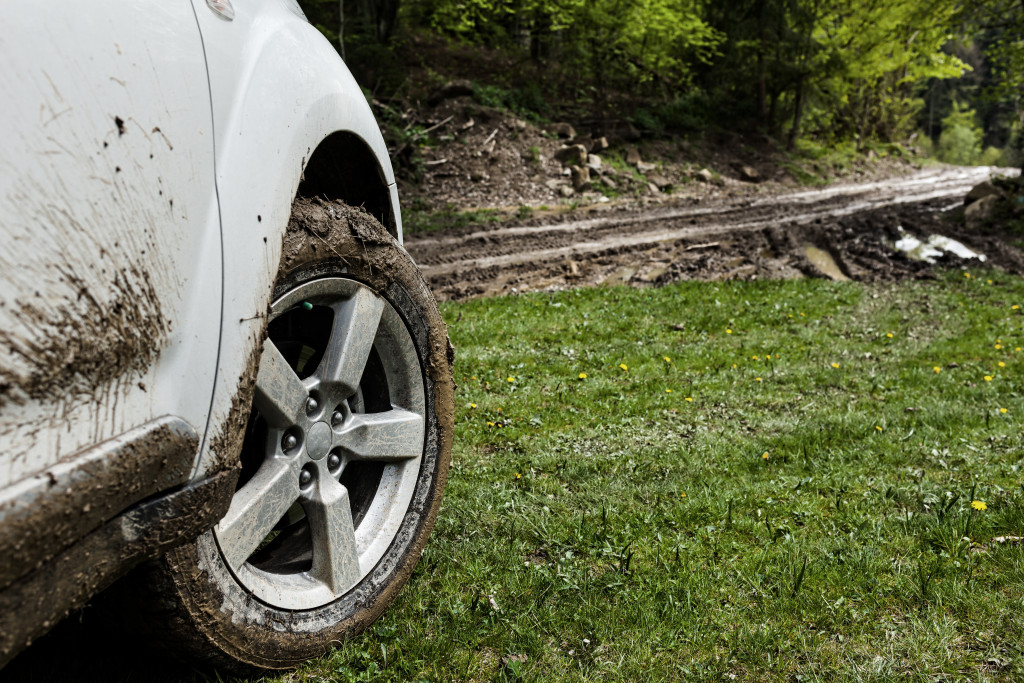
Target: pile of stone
{"x":993,"y":201}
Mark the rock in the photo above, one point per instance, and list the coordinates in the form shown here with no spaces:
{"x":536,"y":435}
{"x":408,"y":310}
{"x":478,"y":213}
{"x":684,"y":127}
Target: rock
{"x":981,"y":210}
{"x":749,"y":174}
{"x":633,"y":156}
{"x":609,"y":183}
{"x":554,"y":184}
{"x":565,"y":191}
{"x":573,"y":154}
{"x":705,"y":176}
{"x":982,"y":190}
{"x":477,"y":176}
{"x":624,"y":130}
{"x":450,"y":90}
{"x":519,"y":124}
{"x":580,"y":178}
{"x":661,"y":182}
{"x":645,"y":168}
{"x":562,"y":130}
{"x":599,"y":145}
{"x":653,"y":188}
{"x":593,"y":162}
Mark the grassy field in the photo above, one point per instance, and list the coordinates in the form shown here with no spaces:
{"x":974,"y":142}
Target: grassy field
{"x":759,"y":481}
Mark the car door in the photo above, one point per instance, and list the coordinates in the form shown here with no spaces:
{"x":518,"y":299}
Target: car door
{"x":110,"y":265}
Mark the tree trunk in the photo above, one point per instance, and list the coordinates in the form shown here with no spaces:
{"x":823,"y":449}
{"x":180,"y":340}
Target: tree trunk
{"x":798,"y":112}
{"x":341,"y":28}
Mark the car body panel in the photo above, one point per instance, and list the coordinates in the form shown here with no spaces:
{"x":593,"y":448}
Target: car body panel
{"x":279,"y":89}
{"x":109,"y":310}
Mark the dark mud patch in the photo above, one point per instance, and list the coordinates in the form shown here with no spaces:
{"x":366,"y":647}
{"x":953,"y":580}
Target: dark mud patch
{"x":70,"y":349}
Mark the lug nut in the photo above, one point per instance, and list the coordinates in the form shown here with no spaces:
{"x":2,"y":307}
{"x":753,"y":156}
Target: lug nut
{"x":333,"y":461}
{"x":337,"y":418}
{"x":311,"y":405}
{"x":289,"y":442}
{"x":305,"y":477}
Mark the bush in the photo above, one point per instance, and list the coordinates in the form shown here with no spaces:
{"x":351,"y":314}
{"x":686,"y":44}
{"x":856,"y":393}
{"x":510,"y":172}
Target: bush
{"x":960,"y":141}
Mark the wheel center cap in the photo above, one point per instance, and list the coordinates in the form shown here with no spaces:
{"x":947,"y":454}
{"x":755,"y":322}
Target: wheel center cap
{"x":318,"y":440}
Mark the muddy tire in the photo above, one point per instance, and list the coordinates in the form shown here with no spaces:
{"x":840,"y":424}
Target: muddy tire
{"x":344,"y":459}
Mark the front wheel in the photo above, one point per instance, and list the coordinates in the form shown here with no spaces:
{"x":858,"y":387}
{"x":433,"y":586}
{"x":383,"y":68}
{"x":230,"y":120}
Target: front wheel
{"x":344,"y":459}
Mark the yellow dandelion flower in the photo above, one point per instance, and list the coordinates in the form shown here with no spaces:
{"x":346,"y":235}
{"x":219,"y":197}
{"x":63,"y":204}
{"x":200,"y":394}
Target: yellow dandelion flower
{"x":728,"y":331}
{"x":1001,"y":364}
{"x":490,"y":424}
{"x":757,"y":379}
{"x":754,"y":358}
{"x":518,"y":476}
{"x":1017,"y":349}
{"x":835,"y":365}
{"x":734,"y":366}
{"x":999,"y":346}
{"x":683,"y":494}
{"x":765,"y":456}
{"x":624,"y":367}
{"x":889,"y":335}
{"x":988,"y":378}
{"x":802,"y":315}
{"x":937,"y":369}
{"x":666,"y":359}
{"x":967,"y":275}
{"x":668,"y":391}
{"x":988,"y":281}
{"x":511,"y":379}
{"x":472,"y":405}
{"x":979,"y":505}
{"x":1002,"y":410}
{"x":474,"y":377}
{"x":790,"y":315}
{"x":689,"y":399}
{"x":878,"y":428}
{"x":1014,"y":307}
{"x":583,"y":375}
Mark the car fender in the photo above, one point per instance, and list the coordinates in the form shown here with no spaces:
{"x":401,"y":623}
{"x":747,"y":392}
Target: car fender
{"x":278,"y":89}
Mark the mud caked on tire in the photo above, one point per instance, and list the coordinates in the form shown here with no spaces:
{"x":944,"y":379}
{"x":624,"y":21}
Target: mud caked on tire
{"x":344,"y":459}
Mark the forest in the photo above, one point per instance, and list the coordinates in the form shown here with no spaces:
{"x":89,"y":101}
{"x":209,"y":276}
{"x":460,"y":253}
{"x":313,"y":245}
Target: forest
{"x":945,"y":77}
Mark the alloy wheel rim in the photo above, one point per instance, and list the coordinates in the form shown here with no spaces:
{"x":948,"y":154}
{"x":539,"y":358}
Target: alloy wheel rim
{"x":295,"y":536}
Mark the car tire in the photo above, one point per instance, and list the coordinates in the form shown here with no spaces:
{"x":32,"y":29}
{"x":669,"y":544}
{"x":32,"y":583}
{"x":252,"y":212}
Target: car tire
{"x":316,"y":575}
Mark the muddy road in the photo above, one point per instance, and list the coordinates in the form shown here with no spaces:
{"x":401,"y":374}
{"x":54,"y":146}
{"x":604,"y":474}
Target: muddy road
{"x":840,"y":232}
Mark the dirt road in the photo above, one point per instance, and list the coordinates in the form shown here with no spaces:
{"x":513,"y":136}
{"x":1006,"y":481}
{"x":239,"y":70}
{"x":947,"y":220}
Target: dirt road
{"x":841,"y":232}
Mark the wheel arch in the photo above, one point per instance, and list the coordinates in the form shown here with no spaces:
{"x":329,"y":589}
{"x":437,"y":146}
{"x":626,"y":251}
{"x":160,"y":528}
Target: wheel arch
{"x":337,"y":169}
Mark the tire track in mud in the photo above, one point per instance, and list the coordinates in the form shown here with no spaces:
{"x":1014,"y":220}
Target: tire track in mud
{"x":842,"y":231}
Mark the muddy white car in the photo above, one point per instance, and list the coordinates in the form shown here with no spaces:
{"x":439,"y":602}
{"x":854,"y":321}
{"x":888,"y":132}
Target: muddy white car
{"x":216,"y":359}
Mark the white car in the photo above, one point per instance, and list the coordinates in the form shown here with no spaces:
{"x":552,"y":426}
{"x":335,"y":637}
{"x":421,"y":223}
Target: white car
{"x":215,"y":355}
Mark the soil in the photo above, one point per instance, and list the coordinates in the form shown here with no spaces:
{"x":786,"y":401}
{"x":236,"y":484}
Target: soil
{"x":843,"y":232}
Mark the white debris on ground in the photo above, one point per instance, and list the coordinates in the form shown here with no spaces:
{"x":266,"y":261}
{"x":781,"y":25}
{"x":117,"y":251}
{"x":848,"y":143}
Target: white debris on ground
{"x":933,"y":248}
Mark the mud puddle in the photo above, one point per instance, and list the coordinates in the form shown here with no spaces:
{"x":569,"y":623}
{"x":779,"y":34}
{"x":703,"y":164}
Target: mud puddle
{"x":847,"y":232}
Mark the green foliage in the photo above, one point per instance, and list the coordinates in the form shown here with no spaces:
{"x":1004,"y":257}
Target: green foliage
{"x":960,"y":141}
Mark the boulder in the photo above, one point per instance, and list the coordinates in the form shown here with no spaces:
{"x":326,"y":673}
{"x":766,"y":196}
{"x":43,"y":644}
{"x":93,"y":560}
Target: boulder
{"x":633,"y":156}
{"x":554,"y":184}
{"x":562,"y":130}
{"x":580,"y":178}
{"x":749,"y":174}
{"x":646,"y":168}
{"x":566,"y":191}
{"x":599,"y":145}
{"x":450,"y":90}
{"x":653,"y":188}
{"x":572,"y":154}
{"x":705,"y":176}
{"x":593,"y":162}
{"x":982,"y":190}
{"x":980,"y":211}
{"x":661,"y":182}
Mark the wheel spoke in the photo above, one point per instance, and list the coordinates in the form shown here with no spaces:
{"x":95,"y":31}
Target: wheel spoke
{"x":280,"y":394}
{"x":335,"y":555}
{"x":356,"y":320}
{"x":256,"y":508}
{"x":393,"y":435}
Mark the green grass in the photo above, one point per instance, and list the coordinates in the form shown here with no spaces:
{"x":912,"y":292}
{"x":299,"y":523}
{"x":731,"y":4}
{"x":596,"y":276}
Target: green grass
{"x":807,"y":516}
